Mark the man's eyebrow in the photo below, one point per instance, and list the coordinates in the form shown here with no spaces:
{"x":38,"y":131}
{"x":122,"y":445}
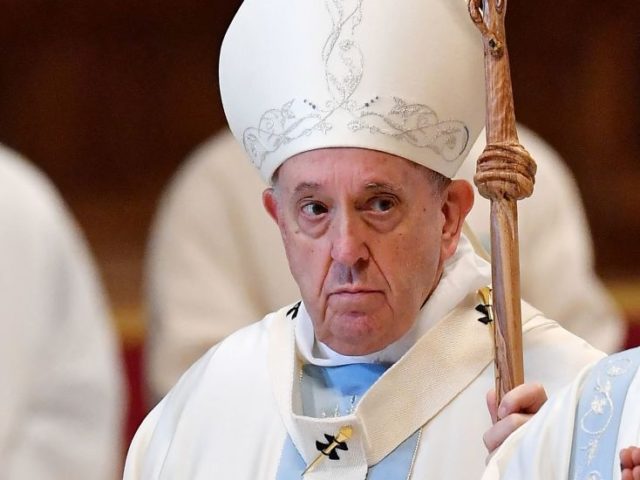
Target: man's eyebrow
{"x":306,"y":186}
{"x":378,"y":186}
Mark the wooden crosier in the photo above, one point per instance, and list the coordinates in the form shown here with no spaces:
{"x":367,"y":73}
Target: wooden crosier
{"x":505,"y":174}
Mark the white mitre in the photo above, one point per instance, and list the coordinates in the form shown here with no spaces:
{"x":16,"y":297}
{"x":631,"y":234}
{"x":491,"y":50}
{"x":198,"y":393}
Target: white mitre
{"x":403,"y":77}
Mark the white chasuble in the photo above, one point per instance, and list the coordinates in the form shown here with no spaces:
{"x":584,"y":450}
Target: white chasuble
{"x":262,"y":403}
{"x":233,"y":413}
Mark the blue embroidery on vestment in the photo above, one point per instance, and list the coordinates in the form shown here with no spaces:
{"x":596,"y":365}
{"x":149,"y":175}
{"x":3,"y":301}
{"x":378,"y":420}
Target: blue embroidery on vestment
{"x":595,"y":435}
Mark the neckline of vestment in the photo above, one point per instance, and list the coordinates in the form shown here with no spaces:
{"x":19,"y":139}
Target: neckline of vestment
{"x":440,"y":365}
{"x":335,"y":391}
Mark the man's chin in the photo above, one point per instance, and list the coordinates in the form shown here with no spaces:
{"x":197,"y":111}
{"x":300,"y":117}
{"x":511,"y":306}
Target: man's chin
{"x":356,"y":334}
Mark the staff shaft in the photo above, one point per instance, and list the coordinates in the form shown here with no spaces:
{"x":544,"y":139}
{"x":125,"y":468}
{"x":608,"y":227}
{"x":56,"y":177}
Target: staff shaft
{"x":505,"y":174}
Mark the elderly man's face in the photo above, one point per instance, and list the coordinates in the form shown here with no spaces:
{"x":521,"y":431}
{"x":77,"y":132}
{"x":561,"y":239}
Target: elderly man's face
{"x":366,"y":234}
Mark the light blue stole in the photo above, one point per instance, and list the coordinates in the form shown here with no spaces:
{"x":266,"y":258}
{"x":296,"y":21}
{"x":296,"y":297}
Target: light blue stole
{"x":597,"y":421}
{"x":336,"y":391}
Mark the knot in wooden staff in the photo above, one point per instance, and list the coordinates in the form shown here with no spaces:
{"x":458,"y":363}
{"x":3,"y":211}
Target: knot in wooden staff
{"x":505,"y":171}
{"x":505,"y":174}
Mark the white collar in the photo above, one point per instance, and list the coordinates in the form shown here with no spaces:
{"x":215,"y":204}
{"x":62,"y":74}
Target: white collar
{"x":463,"y":273}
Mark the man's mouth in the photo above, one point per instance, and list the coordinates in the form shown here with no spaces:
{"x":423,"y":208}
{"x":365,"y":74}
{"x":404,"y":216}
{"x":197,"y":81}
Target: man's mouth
{"x":347,"y":291}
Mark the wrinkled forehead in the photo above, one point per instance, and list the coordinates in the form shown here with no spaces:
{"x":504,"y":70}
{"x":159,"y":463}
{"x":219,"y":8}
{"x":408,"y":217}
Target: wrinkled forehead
{"x":357,"y":169}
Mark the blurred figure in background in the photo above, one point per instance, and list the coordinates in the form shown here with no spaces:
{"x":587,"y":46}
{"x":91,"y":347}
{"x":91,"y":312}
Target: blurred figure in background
{"x":205,"y":281}
{"x":61,"y":407}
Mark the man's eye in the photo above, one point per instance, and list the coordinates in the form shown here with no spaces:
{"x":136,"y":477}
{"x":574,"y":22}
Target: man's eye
{"x":381,"y":204}
{"x":314,"y":209}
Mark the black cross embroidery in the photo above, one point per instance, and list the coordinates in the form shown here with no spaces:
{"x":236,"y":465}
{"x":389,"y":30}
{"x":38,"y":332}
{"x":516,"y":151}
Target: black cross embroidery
{"x":484,"y":310}
{"x":329,"y":448}
{"x":293,"y":311}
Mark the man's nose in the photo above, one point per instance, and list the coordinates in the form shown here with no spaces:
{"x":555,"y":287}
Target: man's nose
{"x":349,"y":243}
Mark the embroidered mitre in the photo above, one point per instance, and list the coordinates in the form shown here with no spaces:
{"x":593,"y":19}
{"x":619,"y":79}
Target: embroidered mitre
{"x":403,"y":77}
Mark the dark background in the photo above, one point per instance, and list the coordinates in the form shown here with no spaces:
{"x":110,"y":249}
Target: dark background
{"x":108,"y":97}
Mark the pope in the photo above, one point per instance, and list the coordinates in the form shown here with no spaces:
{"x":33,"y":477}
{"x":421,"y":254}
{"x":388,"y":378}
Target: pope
{"x":356,"y":113}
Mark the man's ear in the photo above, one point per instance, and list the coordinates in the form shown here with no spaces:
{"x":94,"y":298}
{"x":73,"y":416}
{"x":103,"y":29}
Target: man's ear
{"x":270,"y":202}
{"x":456,"y":204}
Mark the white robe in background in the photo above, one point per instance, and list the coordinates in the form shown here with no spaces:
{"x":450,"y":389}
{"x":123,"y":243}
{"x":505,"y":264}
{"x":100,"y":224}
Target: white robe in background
{"x":61,"y":396}
{"x":542,"y":449}
{"x":230,"y":415}
{"x":216,"y":261}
